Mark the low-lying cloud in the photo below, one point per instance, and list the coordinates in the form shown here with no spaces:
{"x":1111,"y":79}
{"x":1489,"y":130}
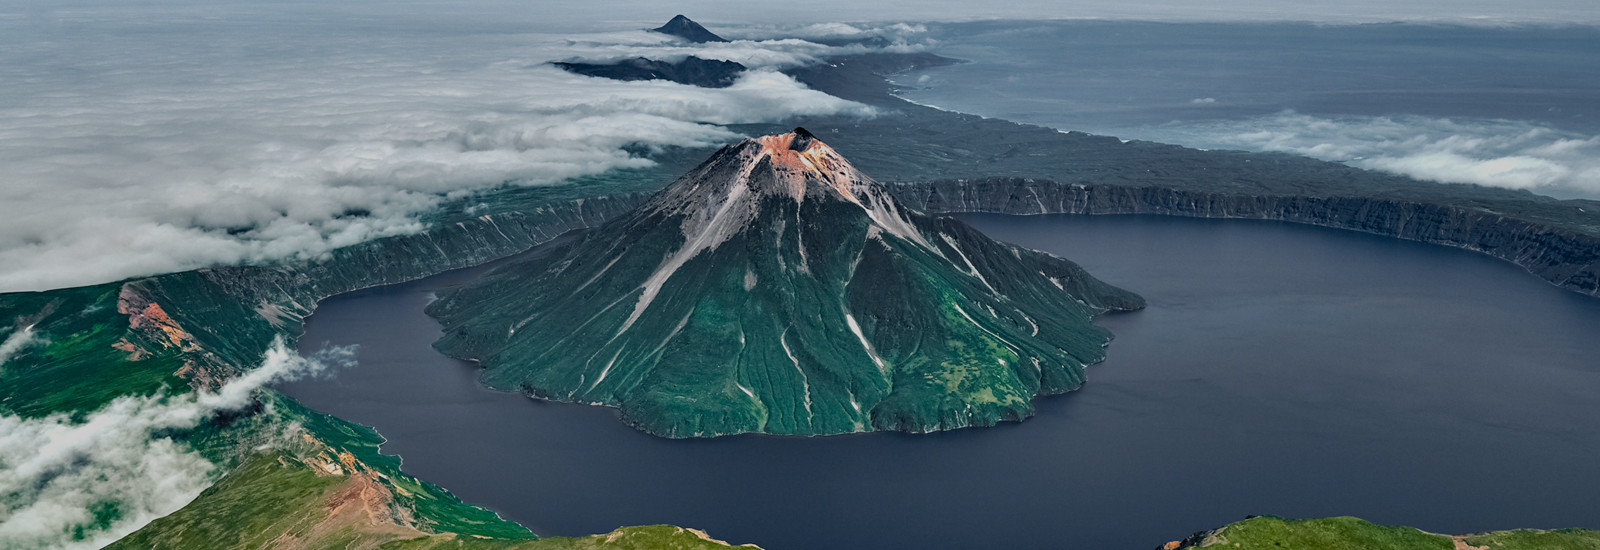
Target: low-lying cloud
{"x":751,"y":46}
{"x":1498,"y":153}
{"x":57,"y":474}
{"x":140,"y":142}
{"x":20,"y":338}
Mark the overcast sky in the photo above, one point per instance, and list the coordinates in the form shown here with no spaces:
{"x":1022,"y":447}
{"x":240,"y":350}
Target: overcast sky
{"x":1343,"y":11}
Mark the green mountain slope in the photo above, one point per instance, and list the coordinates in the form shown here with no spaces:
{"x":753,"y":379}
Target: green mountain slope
{"x":1348,"y":533}
{"x":775,"y":289}
{"x":275,"y":500}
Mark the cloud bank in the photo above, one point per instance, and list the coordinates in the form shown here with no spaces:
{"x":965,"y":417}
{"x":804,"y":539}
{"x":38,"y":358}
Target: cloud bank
{"x":137,"y":142}
{"x":56,"y":474}
{"x":1497,"y":153}
{"x":762,"y":47}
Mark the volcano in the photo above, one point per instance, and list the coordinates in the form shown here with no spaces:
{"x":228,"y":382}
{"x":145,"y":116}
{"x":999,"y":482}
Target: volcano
{"x":776,"y":289}
{"x":685,"y":28}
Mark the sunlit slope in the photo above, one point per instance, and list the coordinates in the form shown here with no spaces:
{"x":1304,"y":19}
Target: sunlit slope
{"x":331,"y":488}
{"x":274,"y":500}
{"x":775,"y":289}
{"x":1348,"y":533}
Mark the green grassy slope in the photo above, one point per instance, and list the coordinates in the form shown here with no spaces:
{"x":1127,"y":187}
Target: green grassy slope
{"x":86,"y":347}
{"x":275,"y":500}
{"x":1348,"y":533}
{"x":72,"y":364}
{"x":830,"y":311}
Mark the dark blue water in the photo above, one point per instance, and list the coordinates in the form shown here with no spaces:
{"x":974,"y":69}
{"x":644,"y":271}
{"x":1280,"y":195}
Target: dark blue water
{"x":1280,"y":369}
{"x":1507,"y":106}
{"x":1117,"y":75}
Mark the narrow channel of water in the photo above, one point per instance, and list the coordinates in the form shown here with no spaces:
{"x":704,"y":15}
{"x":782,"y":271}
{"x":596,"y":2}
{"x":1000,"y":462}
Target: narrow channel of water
{"x":1280,"y":369}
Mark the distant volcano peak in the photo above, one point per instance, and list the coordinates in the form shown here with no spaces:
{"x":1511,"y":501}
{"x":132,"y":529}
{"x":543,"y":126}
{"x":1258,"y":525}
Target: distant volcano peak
{"x":683,"y":27}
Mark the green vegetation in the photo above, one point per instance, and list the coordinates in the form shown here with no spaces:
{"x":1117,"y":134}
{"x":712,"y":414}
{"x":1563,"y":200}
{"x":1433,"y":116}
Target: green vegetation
{"x":432,"y":508}
{"x":1530,"y":539}
{"x":648,"y":537}
{"x":86,"y":347}
{"x":762,"y":294}
{"x":274,"y":499}
{"x":1348,"y":533}
{"x":1327,"y":534}
{"x":71,"y":365}
{"x":267,"y":497}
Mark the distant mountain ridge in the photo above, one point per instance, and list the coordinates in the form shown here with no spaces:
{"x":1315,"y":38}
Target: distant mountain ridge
{"x":775,"y":289}
{"x":694,"y":71}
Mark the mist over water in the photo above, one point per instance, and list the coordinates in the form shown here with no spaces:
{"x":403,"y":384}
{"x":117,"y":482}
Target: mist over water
{"x":1509,"y":106}
{"x":1280,"y":369}
{"x":145,"y":138}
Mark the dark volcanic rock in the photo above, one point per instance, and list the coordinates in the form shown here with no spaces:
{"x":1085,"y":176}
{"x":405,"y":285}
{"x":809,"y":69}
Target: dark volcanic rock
{"x":706,"y":73}
{"x":683,"y":27}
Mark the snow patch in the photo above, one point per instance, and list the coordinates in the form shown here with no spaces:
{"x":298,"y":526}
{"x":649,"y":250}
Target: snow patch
{"x":971,"y":269}
{"x":722,"y":225}
{"x":805,"y":383}
{"x":856,"y":329}
{"x":975,"y":323}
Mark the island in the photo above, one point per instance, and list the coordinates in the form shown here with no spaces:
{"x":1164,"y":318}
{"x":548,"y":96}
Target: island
{"x":776,"y":289}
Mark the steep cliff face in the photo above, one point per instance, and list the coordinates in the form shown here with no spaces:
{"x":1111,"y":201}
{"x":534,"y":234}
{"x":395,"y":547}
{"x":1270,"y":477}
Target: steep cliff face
{"x":1565,"y":258}
{"x":775,"y":289}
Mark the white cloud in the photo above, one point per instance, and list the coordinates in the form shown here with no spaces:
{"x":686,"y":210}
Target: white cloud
{"x":139,"y":142}
{"x":894,"y":33}
{"x":56,"y":472}
{"x":758,"y":46}
{"x":19,"y":339}
{"x":1498,"y":153}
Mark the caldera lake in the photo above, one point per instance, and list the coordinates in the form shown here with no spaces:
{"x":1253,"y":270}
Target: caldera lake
{"x":1280,"y":369}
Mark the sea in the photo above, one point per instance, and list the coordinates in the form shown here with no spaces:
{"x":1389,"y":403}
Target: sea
{"x":1503,"y":105}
